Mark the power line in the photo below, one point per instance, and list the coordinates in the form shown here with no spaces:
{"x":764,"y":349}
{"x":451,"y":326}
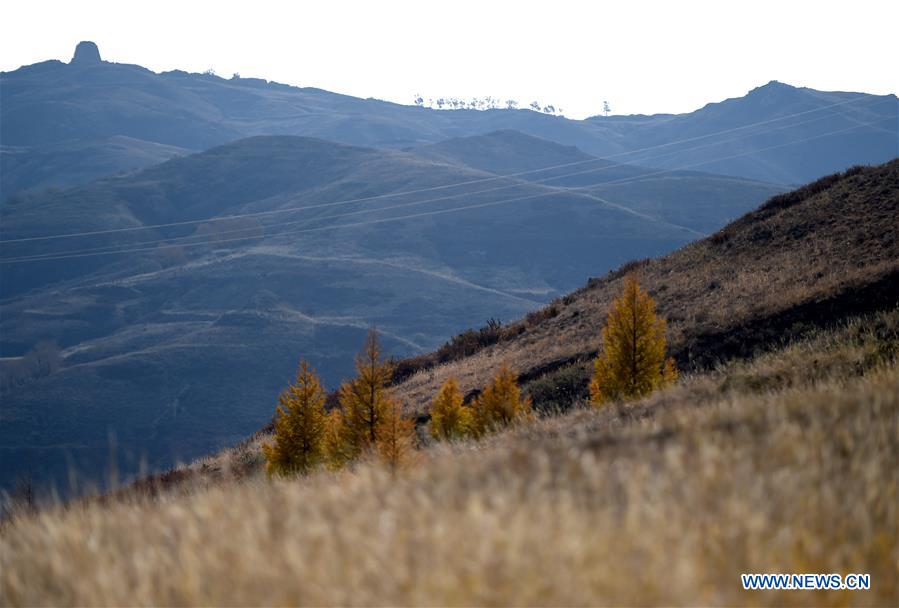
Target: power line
{"x":431,"y":188}
{"x":517,"y":184}
{"x":51,"y":257}
{"x":217,"y":237}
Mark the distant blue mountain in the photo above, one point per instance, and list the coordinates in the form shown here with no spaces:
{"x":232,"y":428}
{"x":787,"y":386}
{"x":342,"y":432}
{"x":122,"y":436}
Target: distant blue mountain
{"x":51,"y":102}
{"x":800,"y":135}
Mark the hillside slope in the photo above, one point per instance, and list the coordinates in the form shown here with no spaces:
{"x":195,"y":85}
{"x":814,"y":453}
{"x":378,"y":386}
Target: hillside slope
{"x":700,"y":201}
{"x":292,"y":185}
{"x":508,"y":151}
{"x":810,"y":256}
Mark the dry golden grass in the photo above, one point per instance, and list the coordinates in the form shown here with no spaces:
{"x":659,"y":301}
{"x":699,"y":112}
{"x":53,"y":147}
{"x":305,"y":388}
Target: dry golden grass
{"x":789,"y":463}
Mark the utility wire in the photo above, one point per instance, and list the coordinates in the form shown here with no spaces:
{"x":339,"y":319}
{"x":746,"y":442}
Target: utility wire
{"x":432,"y":188}
{"x":434,"y":212}
{"x":517,"y":184}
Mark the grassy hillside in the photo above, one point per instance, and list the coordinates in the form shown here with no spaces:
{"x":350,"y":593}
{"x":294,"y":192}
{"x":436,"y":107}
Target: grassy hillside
{"x":785,"y":463}
{"x":298,"y":183}
{"x":511,"y":151}
{"x":808,"y":257}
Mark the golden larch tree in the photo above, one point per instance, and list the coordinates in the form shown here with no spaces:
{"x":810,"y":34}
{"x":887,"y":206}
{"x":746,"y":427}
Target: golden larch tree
{"x":632,"y":362}
{"x":500,"y":404}
{"x":338,"y":446}
{"x":300,"y":425}
{"x":364,"y":399}
{"x":396,"y":437}
{"x":449,"y":418}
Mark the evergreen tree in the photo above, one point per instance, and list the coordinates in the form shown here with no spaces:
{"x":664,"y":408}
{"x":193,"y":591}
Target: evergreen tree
{"x":396,"y":437}
{"x":300,"y":422}
{"x":449,"y":418}
{"x":632,"y":362}
{"x":500,"y":404}
{"x":364,"y":400}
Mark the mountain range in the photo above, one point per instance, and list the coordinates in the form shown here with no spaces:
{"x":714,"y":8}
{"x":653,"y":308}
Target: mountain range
{"x":776,"y":133}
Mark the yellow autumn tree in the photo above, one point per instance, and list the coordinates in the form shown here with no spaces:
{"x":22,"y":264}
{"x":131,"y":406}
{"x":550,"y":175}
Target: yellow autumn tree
{"x":364,"y":400}
{"x":632,"y":362}
{"x":300,"y":425}
{"x":396,"y":437}
{"x":338,"y":446}
{"x":449,"y":418}
{"x":500,"y":404}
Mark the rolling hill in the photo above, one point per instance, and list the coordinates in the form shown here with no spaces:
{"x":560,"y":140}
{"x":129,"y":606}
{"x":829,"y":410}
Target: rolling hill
{"x":700,"y":201}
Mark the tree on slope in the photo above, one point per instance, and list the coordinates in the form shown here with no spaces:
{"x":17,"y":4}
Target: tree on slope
{"x":396,"y":437}
{"x":449,"y":418}
{"x":338,"y":446}
{"x":632,"y":362}
{"x":500,"y":404}
{"x":300,"y":424}
{"x":364,"y":399}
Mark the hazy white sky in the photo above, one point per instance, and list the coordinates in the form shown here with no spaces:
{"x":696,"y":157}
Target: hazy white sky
{"x":643,"y":57}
